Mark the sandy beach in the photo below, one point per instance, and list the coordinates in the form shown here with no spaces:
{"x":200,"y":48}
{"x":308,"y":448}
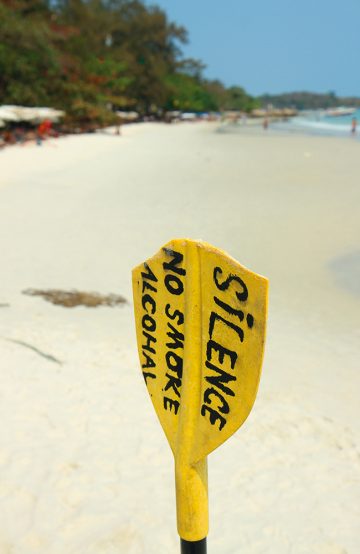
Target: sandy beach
{"x":84,"y":465}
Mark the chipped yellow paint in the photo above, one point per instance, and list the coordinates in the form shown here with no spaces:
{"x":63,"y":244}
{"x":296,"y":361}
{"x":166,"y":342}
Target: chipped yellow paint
{"x":200,"y":324}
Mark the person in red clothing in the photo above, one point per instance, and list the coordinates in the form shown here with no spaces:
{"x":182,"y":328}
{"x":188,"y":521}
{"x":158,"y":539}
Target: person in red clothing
{"x":43,"y":131}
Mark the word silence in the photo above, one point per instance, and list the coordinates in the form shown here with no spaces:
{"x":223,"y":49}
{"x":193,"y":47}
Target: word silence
{"x":200,"y":322}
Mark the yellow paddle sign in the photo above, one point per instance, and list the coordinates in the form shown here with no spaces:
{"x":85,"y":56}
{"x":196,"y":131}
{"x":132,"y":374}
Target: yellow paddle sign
{"x":200,"y":323}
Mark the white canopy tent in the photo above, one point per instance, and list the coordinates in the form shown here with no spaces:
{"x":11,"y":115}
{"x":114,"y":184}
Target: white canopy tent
{"x":12,"y":114}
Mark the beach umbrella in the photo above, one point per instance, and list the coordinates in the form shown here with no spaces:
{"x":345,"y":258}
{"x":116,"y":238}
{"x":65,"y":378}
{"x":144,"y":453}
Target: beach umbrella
{"x":27,"y":114}
{"x":200,"y":324}
{"x":259,"y":113}
{"x":7,"y":114}
{"x":17,"y":113}
{"x":128,"y":116}
{"x":49,"y":113}
{"x":188,"y":116}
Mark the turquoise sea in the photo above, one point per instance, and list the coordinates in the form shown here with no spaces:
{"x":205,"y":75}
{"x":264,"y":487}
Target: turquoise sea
{"x":319,"y":123}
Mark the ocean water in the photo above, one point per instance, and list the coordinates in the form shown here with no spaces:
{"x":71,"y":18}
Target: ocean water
{"x":317,"y":123}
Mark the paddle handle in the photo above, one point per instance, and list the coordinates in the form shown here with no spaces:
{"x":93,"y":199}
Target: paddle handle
{"x":192,"y":502}
{"x":197,"y":547}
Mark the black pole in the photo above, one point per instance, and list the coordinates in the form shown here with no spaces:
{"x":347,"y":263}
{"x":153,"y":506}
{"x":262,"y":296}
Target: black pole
{"x":193,"y":547}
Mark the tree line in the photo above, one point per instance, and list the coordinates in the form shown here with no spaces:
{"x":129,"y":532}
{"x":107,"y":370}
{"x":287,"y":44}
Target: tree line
{"x":93,"y":57}
{"x":308,"y":100}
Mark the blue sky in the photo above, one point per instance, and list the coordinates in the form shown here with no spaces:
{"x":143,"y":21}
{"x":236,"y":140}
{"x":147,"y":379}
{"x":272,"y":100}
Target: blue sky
{"x":274,"y":45}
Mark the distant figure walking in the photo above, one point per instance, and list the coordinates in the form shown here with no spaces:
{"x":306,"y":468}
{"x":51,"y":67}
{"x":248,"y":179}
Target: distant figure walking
{"x":353,"y":126}
{"x":265,"y":123}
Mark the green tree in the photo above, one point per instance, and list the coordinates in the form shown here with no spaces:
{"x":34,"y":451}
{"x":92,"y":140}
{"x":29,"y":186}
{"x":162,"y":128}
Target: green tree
{"x":149,"y":45}
{"x":188,"y":94}
{"x":218,"y":92}
{"x":238,"y":99}
{"x":29,"y":62}
{"x":94,"y":76}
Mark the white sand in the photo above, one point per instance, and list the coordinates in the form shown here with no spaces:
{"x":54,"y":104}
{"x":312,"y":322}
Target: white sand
{"x":84,"y":465}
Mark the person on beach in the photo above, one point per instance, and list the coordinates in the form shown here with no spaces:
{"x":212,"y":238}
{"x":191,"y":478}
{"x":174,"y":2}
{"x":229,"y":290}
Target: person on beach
{"x":43,"y":130}
{"x":353,"y":126}
{"x":265,"y":123}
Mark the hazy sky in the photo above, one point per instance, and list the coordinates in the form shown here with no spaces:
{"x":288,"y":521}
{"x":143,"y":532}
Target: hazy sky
{"x":274,"y":45}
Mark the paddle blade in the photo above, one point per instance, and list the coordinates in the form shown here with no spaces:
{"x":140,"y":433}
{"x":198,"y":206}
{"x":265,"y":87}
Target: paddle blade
{"x":200,"y":322}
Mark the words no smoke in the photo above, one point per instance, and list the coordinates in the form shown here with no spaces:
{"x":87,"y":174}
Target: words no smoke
{"x":219,"y":361}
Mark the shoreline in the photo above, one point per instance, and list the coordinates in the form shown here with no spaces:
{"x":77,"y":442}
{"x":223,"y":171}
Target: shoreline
{"x":291,"y":128}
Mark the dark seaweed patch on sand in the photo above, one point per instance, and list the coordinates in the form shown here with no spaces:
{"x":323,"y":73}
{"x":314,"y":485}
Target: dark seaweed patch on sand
{"x":73,"y":298}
